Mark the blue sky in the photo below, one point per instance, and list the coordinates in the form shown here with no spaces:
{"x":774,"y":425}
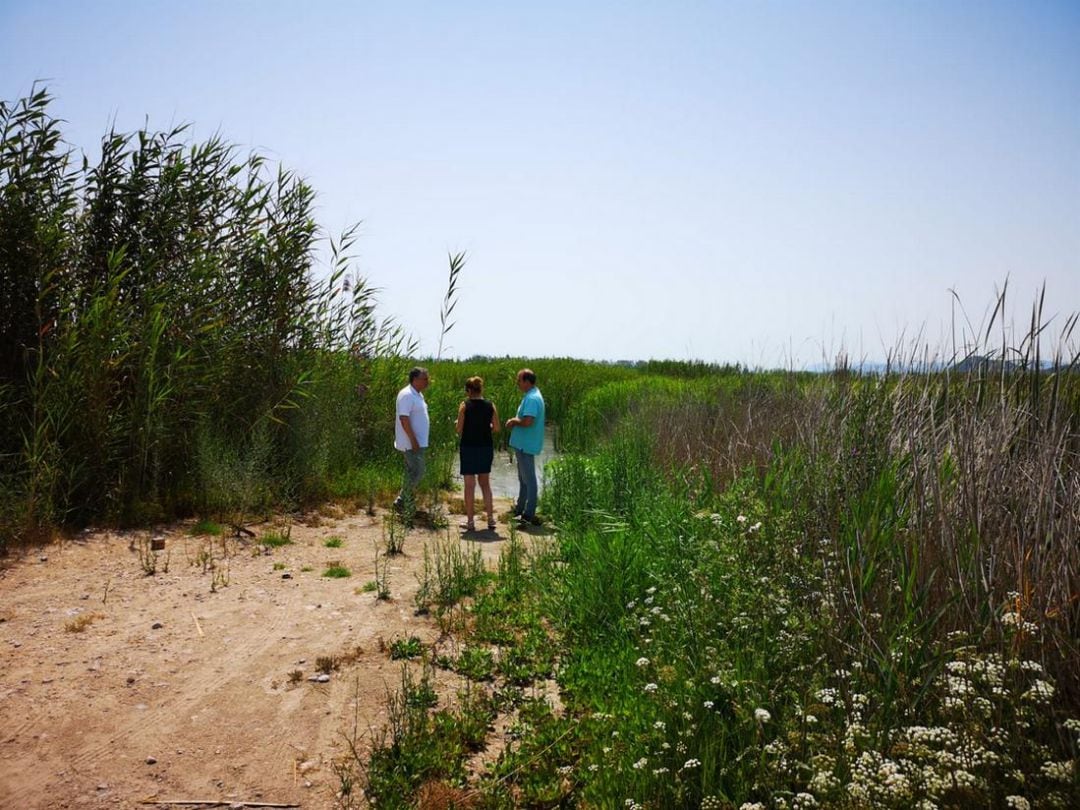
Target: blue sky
{"x":758,"y":182}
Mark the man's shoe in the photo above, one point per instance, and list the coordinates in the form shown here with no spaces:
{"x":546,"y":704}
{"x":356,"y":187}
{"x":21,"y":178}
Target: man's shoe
{"x":524,"y":520}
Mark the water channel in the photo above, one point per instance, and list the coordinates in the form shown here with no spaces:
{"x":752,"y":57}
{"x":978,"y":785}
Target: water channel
{"x":504,"y":480}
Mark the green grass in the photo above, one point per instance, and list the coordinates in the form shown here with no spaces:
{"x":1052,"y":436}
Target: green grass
{"x":333,"y":542}
{"x":337,"y":572}
{"x":206,"y":527}
{"x":275,"y":539}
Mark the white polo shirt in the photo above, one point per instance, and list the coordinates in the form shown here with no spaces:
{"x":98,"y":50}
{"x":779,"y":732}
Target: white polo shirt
{"x":411,"y":403}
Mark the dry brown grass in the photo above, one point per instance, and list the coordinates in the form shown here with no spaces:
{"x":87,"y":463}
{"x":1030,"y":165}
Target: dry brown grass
{"x":441,"y":796}
{"x":82,"y":621}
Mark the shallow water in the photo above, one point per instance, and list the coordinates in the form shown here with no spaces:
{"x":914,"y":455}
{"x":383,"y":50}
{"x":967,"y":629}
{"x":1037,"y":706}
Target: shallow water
{"x":504,"y":481}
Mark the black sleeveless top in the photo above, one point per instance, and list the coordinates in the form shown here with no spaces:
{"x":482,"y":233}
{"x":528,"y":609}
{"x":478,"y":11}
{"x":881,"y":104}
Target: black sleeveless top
{"x":476,"y":432}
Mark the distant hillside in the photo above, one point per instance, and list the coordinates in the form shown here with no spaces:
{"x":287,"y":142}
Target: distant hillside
{"x":980,"y":361}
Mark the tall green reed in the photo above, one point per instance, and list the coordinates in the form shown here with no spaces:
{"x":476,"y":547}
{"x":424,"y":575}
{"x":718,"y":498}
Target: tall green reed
{"x":164,"y":293}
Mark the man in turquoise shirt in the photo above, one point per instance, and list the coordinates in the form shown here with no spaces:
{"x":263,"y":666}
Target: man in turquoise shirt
{"x":527,"y":440}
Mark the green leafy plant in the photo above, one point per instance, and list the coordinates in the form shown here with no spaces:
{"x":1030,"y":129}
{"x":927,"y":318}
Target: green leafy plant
{"x":410,"y":647}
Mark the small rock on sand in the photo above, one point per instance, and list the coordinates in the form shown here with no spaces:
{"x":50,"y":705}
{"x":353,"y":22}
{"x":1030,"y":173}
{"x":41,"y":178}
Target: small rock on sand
{"x":151,"y":761}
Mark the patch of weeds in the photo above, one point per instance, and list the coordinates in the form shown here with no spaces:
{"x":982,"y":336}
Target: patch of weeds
{"x":395,"y":530}
{"x":382,"y":576}
{"x":531,"y":773}
{"x":279,"y":566}
{"x":457,"y":573}
{"x":368,"y":587}
{"x":206,"y":527}
{"x":410,"y":647}
{"x":326,"y":663}
{"x":205,"y":559}
{"x":496,"y":619}
{"x":408,"y":753}
{"x":453,"y":619}
{"x":277,"y":539}
{"x":306,"y":569}
{"x":221,"y":577}
{"x":507,"y":698}
{"x":148,"y":558}
{"x":333,"y":542}
{"x":349,"y":657}
{"x":437,"y":517}
{"x":422,"y":597}
{"x":476,"y":663}
{"x":82,"y":621}
{"x":531,"y":658}
{"x":337,"y":572}
{"x":471,"y":719}
{"x":419,"y":694}
{"x":295,"y":677}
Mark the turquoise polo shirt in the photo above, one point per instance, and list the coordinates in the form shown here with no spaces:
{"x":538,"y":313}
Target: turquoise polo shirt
{"x":530,"y":439}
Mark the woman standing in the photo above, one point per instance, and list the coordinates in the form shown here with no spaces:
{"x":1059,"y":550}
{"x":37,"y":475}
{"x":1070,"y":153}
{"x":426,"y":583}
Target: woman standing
{"x":477,"y":420}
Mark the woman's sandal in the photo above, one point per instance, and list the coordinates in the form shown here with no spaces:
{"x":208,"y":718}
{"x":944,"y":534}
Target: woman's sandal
{"x":468,"y":526}
{"x":492,"y":525}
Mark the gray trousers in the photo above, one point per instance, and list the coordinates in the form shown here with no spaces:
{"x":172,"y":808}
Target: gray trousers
{"x":414,"y":471}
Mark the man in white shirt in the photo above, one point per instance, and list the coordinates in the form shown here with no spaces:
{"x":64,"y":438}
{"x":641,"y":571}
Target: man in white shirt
{"x":411,"y":430}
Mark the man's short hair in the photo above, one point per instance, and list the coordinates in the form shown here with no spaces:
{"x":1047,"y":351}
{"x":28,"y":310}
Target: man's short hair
{"x":419,"y":371}
{"x":528,"y":375}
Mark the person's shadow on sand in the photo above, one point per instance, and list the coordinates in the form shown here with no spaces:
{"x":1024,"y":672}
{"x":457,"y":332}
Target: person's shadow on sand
{"x":485,"y":535}
{"x":493,"y":535}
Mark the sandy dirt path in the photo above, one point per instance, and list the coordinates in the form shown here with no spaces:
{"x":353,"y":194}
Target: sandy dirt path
{"x":176,"y":692}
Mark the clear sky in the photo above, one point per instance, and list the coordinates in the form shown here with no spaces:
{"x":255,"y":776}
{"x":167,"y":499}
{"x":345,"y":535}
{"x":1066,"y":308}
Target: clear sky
{"x":751,"y":181}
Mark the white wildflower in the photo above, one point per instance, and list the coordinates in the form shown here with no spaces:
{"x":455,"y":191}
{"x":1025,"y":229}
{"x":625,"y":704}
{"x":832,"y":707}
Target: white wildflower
{"x":1058,"y":771}
{"x":1040,"y":692}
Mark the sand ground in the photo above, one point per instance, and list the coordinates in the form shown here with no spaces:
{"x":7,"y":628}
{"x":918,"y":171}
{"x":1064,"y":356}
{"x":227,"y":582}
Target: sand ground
{"x":175,"y":692}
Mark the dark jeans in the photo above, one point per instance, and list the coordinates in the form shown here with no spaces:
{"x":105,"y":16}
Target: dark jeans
{"x":527,"y":486}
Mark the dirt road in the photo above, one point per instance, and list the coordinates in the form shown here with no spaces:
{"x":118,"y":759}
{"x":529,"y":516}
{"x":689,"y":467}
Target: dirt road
{"x":172,"y":691}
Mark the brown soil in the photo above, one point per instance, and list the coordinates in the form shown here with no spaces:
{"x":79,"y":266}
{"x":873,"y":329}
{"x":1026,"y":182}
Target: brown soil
{"x":101,"y":709}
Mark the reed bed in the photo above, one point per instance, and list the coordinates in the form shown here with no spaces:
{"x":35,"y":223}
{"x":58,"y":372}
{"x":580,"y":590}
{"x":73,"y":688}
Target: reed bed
{"x":164,"y":334}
